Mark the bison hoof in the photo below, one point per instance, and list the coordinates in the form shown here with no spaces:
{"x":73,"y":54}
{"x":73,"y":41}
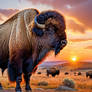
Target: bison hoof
{"x":18,"y":89}
{"x":28,"y":88}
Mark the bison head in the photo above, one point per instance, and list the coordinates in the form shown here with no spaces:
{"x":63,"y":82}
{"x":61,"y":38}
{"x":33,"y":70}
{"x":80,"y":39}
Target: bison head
{"x":49,"y":28}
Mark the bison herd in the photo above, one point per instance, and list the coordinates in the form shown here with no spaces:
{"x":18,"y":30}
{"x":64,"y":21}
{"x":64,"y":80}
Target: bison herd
{"x":54,"y":71}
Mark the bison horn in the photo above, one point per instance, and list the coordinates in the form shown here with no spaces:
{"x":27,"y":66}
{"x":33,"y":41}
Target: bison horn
{"x":38,"y":24}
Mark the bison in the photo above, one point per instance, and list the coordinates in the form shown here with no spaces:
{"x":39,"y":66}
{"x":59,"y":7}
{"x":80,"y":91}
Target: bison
{"x":66,"y":73}
{"x":38,"y":72}
{"x":25,"y":40}
{"x":79,"y":73}
{"x":75,"y":73}
{"x":89,"y":74}
{"x":53,"y":72}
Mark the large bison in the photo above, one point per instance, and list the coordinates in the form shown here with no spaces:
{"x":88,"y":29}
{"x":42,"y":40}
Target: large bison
{"x":26,"y":38}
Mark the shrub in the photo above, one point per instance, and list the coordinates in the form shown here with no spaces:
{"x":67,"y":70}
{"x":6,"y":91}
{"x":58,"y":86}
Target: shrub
{"x":43,"y":83}
{"x":68,"y":82}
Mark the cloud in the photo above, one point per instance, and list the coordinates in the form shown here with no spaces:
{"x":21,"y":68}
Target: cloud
{"x":56,"y":3}
{"x":74,"y":26}
{"x":82,"y":12}
{"x":88,"y":47}
{"x":79,"y":40}
{"x":2,"y":18}
{"x":79,"y":9}
{"x":5,"y":13}
{"x":8,"y":12}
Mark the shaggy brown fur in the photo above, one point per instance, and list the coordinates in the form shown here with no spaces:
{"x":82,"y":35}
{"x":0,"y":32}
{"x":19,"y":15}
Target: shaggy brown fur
{"x":13,"y":29}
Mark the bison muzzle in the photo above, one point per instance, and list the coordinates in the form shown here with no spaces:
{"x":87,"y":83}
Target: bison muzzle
{"x":26,"y":38}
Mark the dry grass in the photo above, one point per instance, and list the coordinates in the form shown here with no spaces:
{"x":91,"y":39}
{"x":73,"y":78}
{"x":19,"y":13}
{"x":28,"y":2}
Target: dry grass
{"x":83,"y":84}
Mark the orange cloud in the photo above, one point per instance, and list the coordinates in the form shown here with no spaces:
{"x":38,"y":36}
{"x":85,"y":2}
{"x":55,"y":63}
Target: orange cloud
{"x":82,"y":12}
{"x":74,"y":26}
{"x":8,"y":12}
{"x":89,"y":47}
{"x":5,"y":13}
{"x":2,"y":18}
{"x":79,"y":40}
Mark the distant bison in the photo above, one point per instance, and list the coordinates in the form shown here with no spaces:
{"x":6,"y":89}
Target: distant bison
{"x":25,"y":40}
{"x":66,"y":73}
{"x":79,"y":73}
{"x":89,"y":74}
{"x":75,"y":73}
{"x":38,"y":72}
{"x":53,"y":72}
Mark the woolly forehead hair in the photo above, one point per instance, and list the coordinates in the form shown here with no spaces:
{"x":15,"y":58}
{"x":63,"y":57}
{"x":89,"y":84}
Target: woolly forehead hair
{"x":52,"y":17}
{"x":49,"y":14}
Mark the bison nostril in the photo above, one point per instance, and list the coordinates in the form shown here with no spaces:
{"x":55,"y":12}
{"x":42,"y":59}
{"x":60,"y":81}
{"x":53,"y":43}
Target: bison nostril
{"x":63,"y":42}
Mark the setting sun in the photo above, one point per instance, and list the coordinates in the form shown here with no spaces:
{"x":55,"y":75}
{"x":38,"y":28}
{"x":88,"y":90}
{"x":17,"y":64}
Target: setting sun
{"x":74,"y":59}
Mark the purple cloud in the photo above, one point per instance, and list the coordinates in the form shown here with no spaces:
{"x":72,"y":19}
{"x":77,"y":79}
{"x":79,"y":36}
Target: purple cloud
{"x":80,"y":9}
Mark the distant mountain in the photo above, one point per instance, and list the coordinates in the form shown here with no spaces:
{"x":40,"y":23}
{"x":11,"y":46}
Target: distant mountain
{"x":2,"y":18}
{"x":66,"y":65}
{"x":52,"y":63}
{"x":8,"y":12}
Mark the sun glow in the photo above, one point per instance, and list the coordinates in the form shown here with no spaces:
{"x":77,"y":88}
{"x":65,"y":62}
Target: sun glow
{"x":74,"y":59}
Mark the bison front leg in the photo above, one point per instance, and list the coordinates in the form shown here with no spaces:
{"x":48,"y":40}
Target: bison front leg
{"x":18,"y":77}
{"x":27,"y":80}
{"x":14,"y":73}
{"x":18,"y":80}
{"x":27,"y":70}
{"x":17,"y":71}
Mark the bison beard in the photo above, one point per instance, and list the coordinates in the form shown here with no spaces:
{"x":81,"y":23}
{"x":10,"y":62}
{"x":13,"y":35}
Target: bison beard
{"x":26,"y":38}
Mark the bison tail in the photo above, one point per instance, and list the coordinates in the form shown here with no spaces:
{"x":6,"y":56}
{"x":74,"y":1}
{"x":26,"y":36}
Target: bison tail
{"x":3,"y":71}
{"x":11,"y":73}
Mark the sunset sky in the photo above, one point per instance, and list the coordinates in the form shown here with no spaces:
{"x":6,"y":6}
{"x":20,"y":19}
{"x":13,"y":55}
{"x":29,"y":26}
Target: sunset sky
{"x":78,"y":16}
